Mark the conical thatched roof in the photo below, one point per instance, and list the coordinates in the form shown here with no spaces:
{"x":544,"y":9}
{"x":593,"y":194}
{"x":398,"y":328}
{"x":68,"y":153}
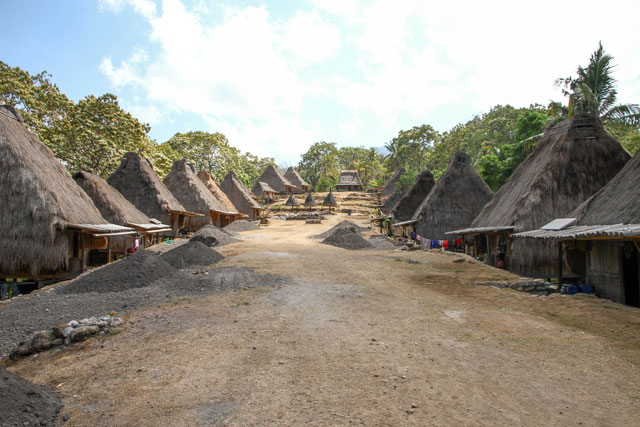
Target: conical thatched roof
{"x":260,"y":188}
{"x":239,"y":195}
{"x":217,"y":192}
{"x":573,"y":160}
{"x":294,"y":178}
{"x":330,"y":200}
{"x":310,"y":201}
{"x":139,"y":184}
{"x":615,"y":203}
{"x":407,"y":205}
{"x":349,"y":178}
{"x":39,"y":199}
{"x":292,"y":201}
{"x":185,"y":185}
{"x":389,"y":188}
{"x":454,"y":201}
{"x":112,"y":205}
{"x":276,"y":180}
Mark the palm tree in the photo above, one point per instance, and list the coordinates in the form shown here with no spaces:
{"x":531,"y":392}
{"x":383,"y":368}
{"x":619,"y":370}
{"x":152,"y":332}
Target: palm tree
{"x":593,"y":91}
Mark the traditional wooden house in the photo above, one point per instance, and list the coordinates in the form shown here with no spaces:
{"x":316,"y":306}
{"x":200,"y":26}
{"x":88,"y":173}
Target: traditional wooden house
{"x":240,"y":196}
{"x":455,"y":200}
{"x":276,"y":180}
{"x":48,"y":226}
{"x":294,"y":178}
{"x":264,"y":192}
{"x":391,"y":192}
{"x":292,"y":201}
{"x":573,"y":160}
{"x":349,"y":181}
{"x":138,"y":183}
{"x":209,"y":181}
{"x":413,"y":197}
{"x":330,"y":200}
{"x":193,"y":194}
{"x":600,"y":242}
{"x":116,"y":209}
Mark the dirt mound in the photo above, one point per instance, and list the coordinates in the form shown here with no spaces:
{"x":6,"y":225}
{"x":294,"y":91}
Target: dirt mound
{"x":344,"y":224}
{"x":26,"y":403}
{"x":347,"y":238}
{"x":136,"y":271}
{"x":242,"y":225}
{"x":191,"y":253}
{"x":213,"y":236}
{"x":217,"y":279}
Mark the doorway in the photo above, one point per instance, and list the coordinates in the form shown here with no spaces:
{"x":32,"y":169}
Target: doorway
{"x":630,"y":274}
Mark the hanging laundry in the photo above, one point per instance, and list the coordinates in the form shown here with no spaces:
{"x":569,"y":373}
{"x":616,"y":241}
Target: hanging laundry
{"x":445,"y":244}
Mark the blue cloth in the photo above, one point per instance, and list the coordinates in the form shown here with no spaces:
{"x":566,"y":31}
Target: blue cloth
{"x":434,"y":244}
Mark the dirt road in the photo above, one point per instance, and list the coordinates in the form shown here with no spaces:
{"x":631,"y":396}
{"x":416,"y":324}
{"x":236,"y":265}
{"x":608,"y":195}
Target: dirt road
{"x":355,"y":338}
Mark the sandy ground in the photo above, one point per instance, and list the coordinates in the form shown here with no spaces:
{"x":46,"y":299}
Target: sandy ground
{"x":355,"y":338}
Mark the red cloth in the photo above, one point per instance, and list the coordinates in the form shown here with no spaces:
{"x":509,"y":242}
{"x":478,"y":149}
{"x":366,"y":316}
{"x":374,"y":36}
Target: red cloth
{"x":458,"y":242}
{"x":445,"y":244}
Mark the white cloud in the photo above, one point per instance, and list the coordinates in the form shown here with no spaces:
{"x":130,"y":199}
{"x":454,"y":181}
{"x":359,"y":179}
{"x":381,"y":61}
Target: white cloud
{"x":270,"y":83}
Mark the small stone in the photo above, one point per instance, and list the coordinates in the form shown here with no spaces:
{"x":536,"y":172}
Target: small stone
{"x":67,"y":332}
{"x":73,"y":324}
{"x":21,"y":351}
{"x":84,"y":321}
{"x":65,"y":418}
{"x":101,"y":324}
{"x":58,"y":331}
{"x":42,"y":340}
{"x":83,"y":332}
{"x":57,"y":342}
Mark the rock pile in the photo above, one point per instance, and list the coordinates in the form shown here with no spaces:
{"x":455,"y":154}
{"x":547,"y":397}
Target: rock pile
{"x":532,"y":286}
{"x":191,"y":254}
{"x":135,"y":271}
{"x":65,"y":334}
{"x":211,"y":236}
{"x":25,"y":403}
{"x":347,"y":238}
{"x":242,"y":225}
{"x":344,"y":224}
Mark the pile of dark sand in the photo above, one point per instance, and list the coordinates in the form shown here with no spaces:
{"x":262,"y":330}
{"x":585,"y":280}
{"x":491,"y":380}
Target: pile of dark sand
{"x":242,"y":225}
{"x":211,"y":236}
{"x":135,"y":271}
{"x":190,"y":254}
{"x":347,"y":238}
{"x":344,"y":224}
{"x":25,"y":403}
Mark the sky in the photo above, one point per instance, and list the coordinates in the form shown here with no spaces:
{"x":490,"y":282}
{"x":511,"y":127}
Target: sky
{"x":277,"y":76}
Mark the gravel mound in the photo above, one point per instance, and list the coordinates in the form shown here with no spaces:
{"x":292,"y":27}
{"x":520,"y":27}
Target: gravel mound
{"x":344,"y":224}
{"x":347,"y":238}
{"x":134,"y":271}
{"x":25,"y":403}
{"x":242,"y":225}
{"x":191,"y":253}
{"x":381,"y":242}
{"x":213,"y":236}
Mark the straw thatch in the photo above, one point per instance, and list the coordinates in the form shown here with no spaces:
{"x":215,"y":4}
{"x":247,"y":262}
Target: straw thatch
{"x":39,"y":199}
{"x":292,"y":201}
{"x":389,"y":188}
{"x":263,"y":191}
{"x":185,"y":185}
{"x":349,"y":181}
{"x":330,"y":200}
{"x":617,"y":202}
{"x":139,"y":184}
{"x":454,"y":201}
{"x":573,"y":160}
{"x":240,"y":196}
{"x":276,"y":180}
{"x":295,"y":179}
{"x":407,"y":205}
{"x":210,"y":183}
{"x":310,"y":201}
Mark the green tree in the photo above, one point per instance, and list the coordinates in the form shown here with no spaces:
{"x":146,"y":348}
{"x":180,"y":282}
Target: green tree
{"x":411,"y":148}
{"x":319,"y":165}
{"x":593,"y":91}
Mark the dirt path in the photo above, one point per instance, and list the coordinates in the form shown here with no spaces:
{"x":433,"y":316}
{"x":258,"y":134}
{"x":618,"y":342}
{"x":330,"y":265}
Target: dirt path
{"x":355,"y":337}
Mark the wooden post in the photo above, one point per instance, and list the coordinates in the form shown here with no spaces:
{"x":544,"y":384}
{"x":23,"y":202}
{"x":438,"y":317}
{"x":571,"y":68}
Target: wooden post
{"x":559,"y":264}
{"x":109,"y":249}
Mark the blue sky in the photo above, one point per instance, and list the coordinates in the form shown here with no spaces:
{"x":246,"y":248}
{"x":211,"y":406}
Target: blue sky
{"x":276,"y":76}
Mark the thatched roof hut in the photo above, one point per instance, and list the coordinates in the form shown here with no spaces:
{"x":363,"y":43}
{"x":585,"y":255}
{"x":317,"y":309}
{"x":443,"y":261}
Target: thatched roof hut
{"x":294,"y":178}
{"x":263,"y":191}
{"x":240,"y":196}
{"x":310,"y":201}
{"x":209,"y":181}
{"x":48,"y":222}
{"x":292,"y":201}
{"x":194,"y":195}
{"x":454,"y":201}
{"x":412,"y":198}
{"x":138,"y":183}
{"x":573,"y":160}
{"x":276,"y":180}
{"x":116,"y":209}
{"x":349,"y":181}
{"x":389,"y":187}
{"x":330,"y":200}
